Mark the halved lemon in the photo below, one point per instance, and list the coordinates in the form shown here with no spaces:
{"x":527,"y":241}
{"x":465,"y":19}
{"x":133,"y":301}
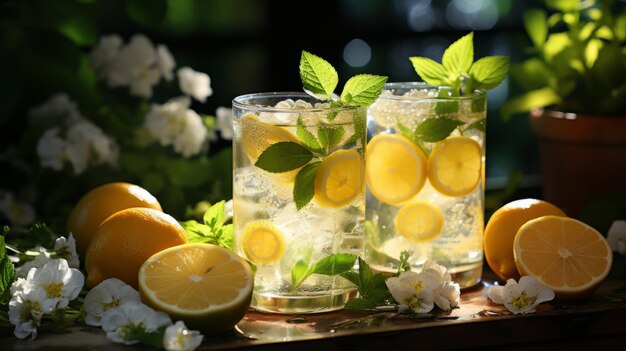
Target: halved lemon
{"x":262,"y":243}
{"x":564,"y":254}
{"x":419,"y":221}
{"x":455,"y":166}
{"x":395,"y":168}
{"x":339,"y":179}
{"x":257,"y":136}
{"x":206,"y":286}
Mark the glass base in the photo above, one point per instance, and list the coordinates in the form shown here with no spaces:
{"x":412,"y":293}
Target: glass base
{"x":302,"y":304}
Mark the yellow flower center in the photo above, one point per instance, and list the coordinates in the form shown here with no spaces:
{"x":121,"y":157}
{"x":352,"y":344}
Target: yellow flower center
{"x":523,"y":301}
{"x":110,"y":305}
{"x":53,"y":290}
{"x":418,"y":286}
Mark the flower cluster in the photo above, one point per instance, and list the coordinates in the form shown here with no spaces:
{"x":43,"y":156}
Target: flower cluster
{"x":45,"y":291}
{"x":617,"y":237}
{"x":70,"y":137}
{"x":117,"y":308}
{"x":521,"y":297}
{"x":39,"y":256}
{"x":420,"y":292}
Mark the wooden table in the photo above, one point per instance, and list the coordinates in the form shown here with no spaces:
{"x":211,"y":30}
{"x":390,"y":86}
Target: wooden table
{"x":599,"y":321}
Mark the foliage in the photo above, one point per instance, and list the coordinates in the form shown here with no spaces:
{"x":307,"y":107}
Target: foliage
{"x":577,"y":60}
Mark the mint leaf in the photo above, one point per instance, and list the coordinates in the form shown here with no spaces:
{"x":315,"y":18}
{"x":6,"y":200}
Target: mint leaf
{"x":306,"y":137}
{"x":488,"y":72}
{"x":7,"y":274}
{"x":436,"y":129}
{"x":363,"y":89}
{"x":405,"y":131}
{"x":329,"y":137}
{"x":536,"y":24}
{"x":359,"y":121}
{"x":478,"y":125}
{"x":447,"y":106}
{"x":459,"y":56}
{"x":283,"y":157}
{"x":226,"y":237}
{"x":532,"y":99}
{"x":299,"y":273}
{"x":304,"y":185}
{"x":430,"y":71}
{"x":317,"y":75}
{"x":404,"y":265}
{"x":334,"y":264}
{"x":214,"y":216}
{"x":360,"y":304}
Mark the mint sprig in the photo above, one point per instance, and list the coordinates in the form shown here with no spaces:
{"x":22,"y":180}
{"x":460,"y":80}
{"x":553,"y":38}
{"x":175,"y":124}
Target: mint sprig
{"x":331,"y":265}
{"x":458,"y":69}
{"x":213,"y":230}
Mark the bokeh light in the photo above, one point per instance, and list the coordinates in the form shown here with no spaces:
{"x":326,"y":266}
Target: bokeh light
{"x":357,"y":53}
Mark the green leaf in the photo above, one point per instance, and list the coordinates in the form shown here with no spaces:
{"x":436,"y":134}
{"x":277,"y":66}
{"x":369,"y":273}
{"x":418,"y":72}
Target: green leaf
{"x":363,"y":89}
{"x":304,"y":185}
{"x":334,"y":264}
{"x":436,"y":129}
{"x":214,"y":216}
{"x":489,"y":71}
{"x":478,"y":125}
{"x":283,"y":157}
{"x":330,"y":137}
{"x":532,"y":74}
{"x":360,"y":304}
{"x":446,"y":106}
{"x":300,"y":271}
{"x":7,"y":274}
{"x":532,"y":99}
{"x":306,"y":137}
{"x":226,"y":237}
{"x":430,"y":71}
{"x":405,"y":131}
{"x":317,"y":75}
{"x":149,"y":13}
{"x":459,"y":56}
{"x":353,"y":277}
{"x":536,"y":24}
{"x":404,"y":265}
{"x":564,"y":5}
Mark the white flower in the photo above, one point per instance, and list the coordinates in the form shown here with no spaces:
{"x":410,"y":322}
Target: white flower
{"x":228,"y":210}
{"x":103,"y":55}
{"x":413,"y":291}
{"x":67,"y":247}
{"x":195,"y":84}
{"x":178,"y":337}
{"x":617,"y":237}
{"x":86,"y":144}
{"x":60,"y":282}
{"x":19,"y":214}
{"x":438,"y":270}
{"x":121,"y":322}
{"x":26,"y":308}
{"x":38,"y":262}
{"x":166,"y":62}
{"x":51,"y":149}
{"x":523,"y":297}
{"x":173,"y":123}
{"x":225,"y":122}
{"x":447,"y":295}
{"x":136,"y":66}
{"x":109,"y":294}
{"x":57,"y":110}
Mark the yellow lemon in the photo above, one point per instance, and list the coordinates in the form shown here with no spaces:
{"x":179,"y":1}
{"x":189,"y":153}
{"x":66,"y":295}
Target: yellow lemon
{"x":395,"y":168}
{"x":455,"y":166}
{"x":339,"y":179}
{"x":419,"y":221}
{"x":262,"y":243}
{"x":206,"y":286}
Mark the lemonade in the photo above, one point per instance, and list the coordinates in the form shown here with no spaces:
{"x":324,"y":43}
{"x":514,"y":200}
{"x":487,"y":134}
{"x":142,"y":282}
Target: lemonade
{"x":298,"y":197}
{"x":425,"y":179}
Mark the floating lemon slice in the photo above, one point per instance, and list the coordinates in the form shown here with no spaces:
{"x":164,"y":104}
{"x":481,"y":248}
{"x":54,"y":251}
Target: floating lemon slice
{"x":419,"y":221}
{"x":206,"y":286}
{"x":339,"y":179}
{"x":395,"y":168}
{"x":455,"y":166}
{"x":262,"y":243}
{"x":564,"y":254}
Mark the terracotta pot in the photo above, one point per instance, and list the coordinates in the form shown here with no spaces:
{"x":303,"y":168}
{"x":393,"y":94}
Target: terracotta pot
{"x":582,"y":157}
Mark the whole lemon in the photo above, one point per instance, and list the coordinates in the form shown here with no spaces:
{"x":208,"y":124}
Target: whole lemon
{"x":101,"y":202}
{"x":125,"y":240}
{"x":502,"y":228}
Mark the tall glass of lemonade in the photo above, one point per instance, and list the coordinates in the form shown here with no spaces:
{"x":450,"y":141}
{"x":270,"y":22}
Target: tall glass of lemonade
{"x":299,"y":197}
{"x":425,"y":165}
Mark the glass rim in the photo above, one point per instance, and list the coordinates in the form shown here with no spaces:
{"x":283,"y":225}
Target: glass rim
{"x":477,"y":93}
{"x":241,"y":102}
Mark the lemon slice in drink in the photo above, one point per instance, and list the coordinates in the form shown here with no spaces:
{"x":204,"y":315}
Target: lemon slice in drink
{"x":257,"y":136}
{"x":339,"y":179}
{"x":419,"y":221}
{"x":206,"y":286}
{"x":455,"y":166}
{"x":262,"y":243}
{"x":395,"y":168}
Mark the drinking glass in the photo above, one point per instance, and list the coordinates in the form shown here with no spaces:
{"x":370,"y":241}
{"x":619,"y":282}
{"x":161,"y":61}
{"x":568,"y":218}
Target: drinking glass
{"x":425,"y":167}
{"x":298,"y":197}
